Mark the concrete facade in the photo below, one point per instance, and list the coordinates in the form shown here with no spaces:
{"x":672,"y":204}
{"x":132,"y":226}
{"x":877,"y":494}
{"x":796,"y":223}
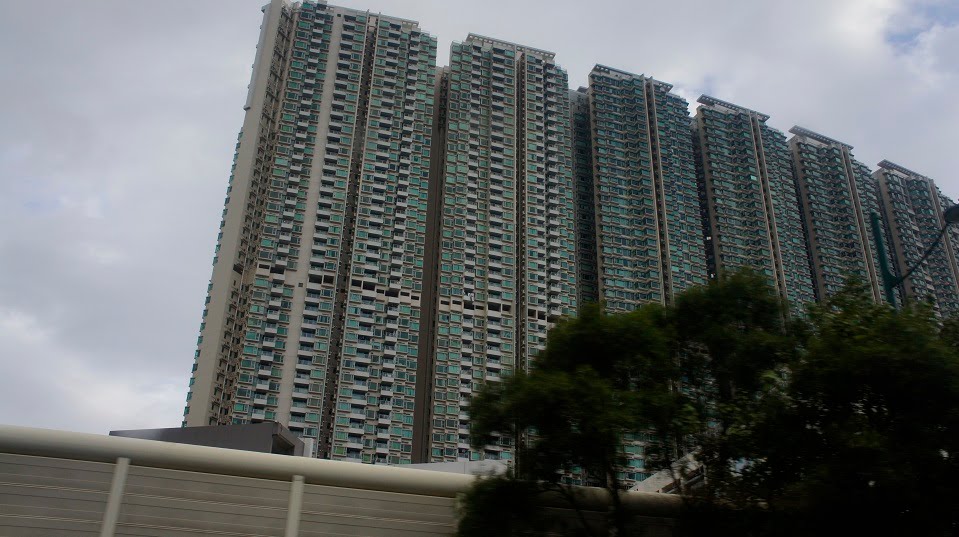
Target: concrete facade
{"x":506,"y":262}
{"x":585,"y":203}
{"x":314,"y":306}
{"x":837,"y":195}
{"x":646,"y":216}
{"x":749,"y":200}
{"x":913,"y":207}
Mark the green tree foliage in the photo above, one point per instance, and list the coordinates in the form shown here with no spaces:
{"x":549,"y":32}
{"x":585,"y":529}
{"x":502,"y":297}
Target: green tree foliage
{"x":502,"y":506}
{"x":864,"y":439}
{"x":738,"y":345}
{"x":598,"y":377}
{"x":844,"y":422}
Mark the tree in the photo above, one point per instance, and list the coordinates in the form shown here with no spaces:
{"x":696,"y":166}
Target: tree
{"x":858,"y":438}
{"x":736,"y":344}
{"x":871,"y":425}
{"x":845,"y":421}
{"x":599,"y":378}
{"x":602,"y":377}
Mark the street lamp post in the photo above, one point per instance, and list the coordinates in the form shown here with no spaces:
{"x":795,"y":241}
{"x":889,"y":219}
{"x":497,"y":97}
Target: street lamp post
{"x":890,"y":281}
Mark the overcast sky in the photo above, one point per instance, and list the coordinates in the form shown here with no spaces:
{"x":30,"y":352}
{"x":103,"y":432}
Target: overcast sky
{"x":118,"y":121}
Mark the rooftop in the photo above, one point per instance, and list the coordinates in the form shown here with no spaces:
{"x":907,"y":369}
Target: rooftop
{"x":799,"y":131}
{"x":885,"y":164}
{"x":492,"y":41}
{"x":612,"y":70}
{"x":712,"y":101}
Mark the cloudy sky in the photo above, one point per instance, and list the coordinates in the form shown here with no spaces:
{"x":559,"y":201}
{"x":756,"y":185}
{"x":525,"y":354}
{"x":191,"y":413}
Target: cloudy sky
{"x":118,"y":121}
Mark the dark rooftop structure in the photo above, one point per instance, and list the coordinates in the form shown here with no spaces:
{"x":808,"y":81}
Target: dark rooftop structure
{"x":265,"y":437}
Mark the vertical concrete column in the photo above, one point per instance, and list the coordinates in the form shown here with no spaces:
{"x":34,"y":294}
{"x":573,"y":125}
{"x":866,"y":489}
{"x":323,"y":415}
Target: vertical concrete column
{"x":112,"y":513}
{"x":294,"y":507}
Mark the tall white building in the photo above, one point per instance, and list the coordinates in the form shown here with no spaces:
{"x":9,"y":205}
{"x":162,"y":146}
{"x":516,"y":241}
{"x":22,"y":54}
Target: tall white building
{"x":314,"y":307}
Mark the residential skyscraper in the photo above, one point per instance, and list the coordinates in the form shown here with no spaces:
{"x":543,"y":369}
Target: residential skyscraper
{"x":313,"y":310}
{"x":506,"y":242}
{"x":913,"y":207}
{"x":749,"y":198}
{"x":639,"y":225}
{"x":647,"y":221}
{"x":837,"y":195}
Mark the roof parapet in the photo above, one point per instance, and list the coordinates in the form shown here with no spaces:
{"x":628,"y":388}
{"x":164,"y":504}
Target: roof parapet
{"x":799,"y":131}
{"x":612,"y":70}
{"x":494,"y":41}
{"x":712,"y":101}
{"x":885,"y":164}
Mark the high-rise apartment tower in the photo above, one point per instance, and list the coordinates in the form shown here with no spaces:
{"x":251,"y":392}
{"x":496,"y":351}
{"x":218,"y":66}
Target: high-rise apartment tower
{"x":646,"y":221}
{"x":638,"y":221}
{"x":749,"y":198}
{"x":506,"y":263}
{"x":913,"y":207}
{"x":313,"y":311}
{"x":837,"y":195}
